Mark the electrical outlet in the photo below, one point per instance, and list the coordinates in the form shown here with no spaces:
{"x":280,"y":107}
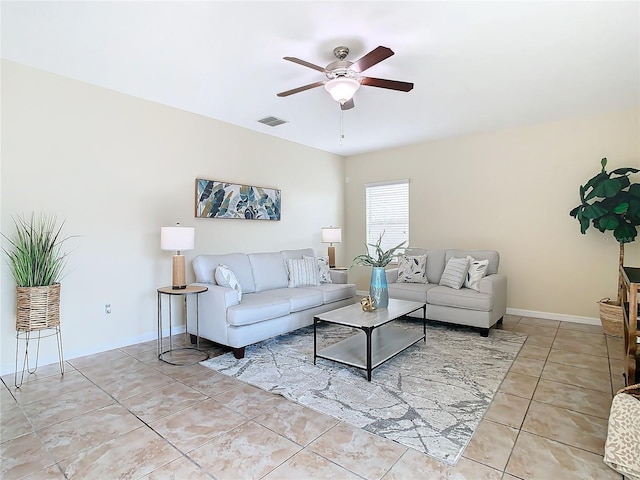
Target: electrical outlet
{"x":107,"y":308}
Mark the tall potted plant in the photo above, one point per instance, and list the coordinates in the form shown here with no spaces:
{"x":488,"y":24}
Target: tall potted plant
{"x":36,"y":261}
{"x":378,"y":260}
{"x":610,"y":202}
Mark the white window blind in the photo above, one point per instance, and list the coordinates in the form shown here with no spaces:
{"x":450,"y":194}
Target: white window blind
{"x":388,"y":211}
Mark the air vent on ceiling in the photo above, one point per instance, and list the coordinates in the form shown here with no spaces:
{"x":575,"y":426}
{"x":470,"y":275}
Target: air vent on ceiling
{"x":272,"y":121}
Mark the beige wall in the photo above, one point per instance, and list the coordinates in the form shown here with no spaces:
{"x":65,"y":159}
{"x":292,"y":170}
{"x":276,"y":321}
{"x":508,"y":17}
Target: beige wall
{"x":512,"y":191}
{"x":117,"y":168}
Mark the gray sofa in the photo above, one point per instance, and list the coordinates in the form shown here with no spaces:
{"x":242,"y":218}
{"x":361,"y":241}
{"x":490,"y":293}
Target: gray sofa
{"x":482,"y":309}
{"x":268,"y":307}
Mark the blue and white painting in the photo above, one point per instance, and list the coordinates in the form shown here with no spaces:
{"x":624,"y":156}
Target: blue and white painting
{"x":216,"y":199}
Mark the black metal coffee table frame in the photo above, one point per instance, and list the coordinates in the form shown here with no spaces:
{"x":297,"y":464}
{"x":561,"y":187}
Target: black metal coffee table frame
{"x":377,"y":342}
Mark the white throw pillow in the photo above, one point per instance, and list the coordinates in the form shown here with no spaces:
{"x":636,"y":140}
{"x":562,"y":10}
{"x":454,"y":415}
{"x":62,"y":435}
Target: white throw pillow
{"x":303,"y":272}
{"x":455,"y":273}
{"x":226,"y":278}
{"x":412,"y":269}
{"x":477,"y":270}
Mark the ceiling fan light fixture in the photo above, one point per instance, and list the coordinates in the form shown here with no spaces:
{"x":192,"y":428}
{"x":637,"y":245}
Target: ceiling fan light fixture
{"x":342,"y":89}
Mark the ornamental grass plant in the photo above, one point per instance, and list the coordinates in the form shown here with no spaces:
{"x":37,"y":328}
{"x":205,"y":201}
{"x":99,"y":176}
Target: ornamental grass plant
{"x":34,"y":253}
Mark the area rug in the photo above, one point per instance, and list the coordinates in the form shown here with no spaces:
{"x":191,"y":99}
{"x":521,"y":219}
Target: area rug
{"x":431,"y":397}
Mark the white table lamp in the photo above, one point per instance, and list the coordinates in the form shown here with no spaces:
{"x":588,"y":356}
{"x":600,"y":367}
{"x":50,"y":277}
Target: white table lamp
{"x":331,"y":235}
{"x":178,"y":239}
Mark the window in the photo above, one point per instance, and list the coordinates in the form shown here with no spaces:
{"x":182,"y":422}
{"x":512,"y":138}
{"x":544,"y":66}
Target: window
{"x":388,"y":211}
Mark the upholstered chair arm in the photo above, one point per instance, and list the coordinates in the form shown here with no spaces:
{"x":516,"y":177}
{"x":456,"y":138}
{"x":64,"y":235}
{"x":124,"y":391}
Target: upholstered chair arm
{"x":339,"y":276}
{"x":392,"y":275}
{"x":496,"y":286}
{"x":212,"y":306}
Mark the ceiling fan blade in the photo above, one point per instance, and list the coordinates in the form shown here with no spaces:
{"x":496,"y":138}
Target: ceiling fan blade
{"x":305,"y":64}
{"x":370,"y":59}
{"x":347,"y":105}
{"x":300,"y":89}
{"x":383,"y":83}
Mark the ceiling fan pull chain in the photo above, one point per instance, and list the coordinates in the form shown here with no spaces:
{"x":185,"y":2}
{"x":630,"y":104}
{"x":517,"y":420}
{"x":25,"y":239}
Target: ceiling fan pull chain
{"x":341,"y":126}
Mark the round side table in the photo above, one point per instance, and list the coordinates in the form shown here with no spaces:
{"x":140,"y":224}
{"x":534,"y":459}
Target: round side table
{"x":200,"y":355}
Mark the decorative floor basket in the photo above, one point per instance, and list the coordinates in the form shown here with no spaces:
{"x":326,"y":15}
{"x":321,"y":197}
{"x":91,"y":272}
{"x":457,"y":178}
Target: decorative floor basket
{"x":611,"y":317}
{"x":38,"y":307}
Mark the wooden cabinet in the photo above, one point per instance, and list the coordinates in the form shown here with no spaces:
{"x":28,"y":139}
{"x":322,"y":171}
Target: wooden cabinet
{"x":630,"y":277}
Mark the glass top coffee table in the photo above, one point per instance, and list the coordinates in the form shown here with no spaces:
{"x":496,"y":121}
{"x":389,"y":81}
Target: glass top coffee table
{"x":378,"y":342}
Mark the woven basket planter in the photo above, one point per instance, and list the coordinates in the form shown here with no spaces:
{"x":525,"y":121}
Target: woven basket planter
{"x":611,"y":317}
{"x":37,"y":307}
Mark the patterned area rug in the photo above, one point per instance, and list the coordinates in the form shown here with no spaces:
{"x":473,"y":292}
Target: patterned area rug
{"x":430,"y":397}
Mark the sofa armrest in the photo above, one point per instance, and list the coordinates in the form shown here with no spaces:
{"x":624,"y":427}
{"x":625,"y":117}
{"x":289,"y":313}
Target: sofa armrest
{"x":392,"y":275}
{"x":212,"y":307}
{"x":496,"y":286}
{"x":339,"y":276}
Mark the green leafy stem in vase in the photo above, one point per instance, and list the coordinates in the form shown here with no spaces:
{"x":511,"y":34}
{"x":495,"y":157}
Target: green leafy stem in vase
{"x":382,"y":258}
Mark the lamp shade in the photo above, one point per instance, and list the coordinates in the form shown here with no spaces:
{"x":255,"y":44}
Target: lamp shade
{"x":177,"y":238}
{"x":342,"y":89}
{"x":331,"y":235}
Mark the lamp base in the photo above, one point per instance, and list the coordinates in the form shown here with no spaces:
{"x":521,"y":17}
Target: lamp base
{"x":332,"y":256}
{"x":178,"y":281}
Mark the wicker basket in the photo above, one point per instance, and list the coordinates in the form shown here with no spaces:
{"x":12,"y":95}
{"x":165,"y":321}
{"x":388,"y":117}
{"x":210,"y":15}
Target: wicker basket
{"x":611,"y":317}
{"x":37,"y":307}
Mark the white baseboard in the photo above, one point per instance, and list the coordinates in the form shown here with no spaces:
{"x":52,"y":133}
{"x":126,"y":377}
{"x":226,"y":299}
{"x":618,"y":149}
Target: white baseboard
{"x":553,"y":316}
{"x":82,"y":352}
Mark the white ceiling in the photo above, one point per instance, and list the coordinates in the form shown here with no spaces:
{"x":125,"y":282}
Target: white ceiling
{"x":476,"y":66}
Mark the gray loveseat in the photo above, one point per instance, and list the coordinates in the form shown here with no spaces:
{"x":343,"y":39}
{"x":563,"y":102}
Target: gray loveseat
{"x":268,"y":306}
{"x":483,"y":308}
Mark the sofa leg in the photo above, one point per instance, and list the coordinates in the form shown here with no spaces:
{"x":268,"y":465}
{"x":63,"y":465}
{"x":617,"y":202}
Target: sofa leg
{"x":238,"y":353}
{"x":500,"y":320}
{"x":484,"y":332}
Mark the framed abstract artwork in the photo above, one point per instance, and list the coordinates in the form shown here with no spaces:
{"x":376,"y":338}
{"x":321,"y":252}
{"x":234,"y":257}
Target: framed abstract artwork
{"x":216,"y":199}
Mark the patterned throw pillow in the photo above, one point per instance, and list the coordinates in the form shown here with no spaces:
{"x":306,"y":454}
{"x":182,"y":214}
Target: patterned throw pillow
{"x":303,"y":272}
{"x":455,"y":273}
{"x":226,"y":278}
{"x":323,"y":270}
{"x":477,"y":270}
{"x":412,"y":269}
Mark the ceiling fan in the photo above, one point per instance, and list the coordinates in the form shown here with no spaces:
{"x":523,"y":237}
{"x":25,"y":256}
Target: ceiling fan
{"x":344,"y":77}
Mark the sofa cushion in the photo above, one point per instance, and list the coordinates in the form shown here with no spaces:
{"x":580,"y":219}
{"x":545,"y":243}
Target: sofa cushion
{"x":286,"y":254}
{"x":204,"y":267}
{"x":299,"y":298}
{"x":491,"y":255}
{"x":269,"y":270}
{"x":455,"y":272}
{"x":226,"y":278}
{"x":257,"y":307}
{"x":477,"y":270}
{"x":435,"y":262}
{"x":412,"y":269}
{"x":464,"y":298}
{"x":334,"y":292}
{"x":414,"y":292}
{"x":302,"y":272}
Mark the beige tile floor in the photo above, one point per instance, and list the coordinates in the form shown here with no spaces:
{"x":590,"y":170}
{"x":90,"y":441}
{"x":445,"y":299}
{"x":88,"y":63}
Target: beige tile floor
{"x":124,"y":414}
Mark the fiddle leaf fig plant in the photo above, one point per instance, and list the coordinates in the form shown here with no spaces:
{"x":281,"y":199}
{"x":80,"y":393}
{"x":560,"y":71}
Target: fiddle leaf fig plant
{"x":609,"y":201}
